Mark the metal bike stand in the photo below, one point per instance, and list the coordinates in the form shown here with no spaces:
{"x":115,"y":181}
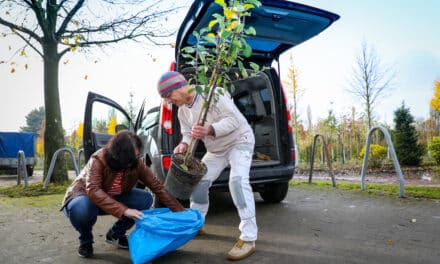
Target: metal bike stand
{"x":52,"y":164}
{"x":393,"y":156}
{"x":21,"y":169}
{"x":80,"y":152}
{"x":327,"y":157}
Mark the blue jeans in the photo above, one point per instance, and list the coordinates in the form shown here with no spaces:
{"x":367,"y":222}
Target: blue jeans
{"x":83,"y":213}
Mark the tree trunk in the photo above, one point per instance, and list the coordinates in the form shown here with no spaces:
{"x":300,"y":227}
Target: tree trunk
{"x":54,"y":134}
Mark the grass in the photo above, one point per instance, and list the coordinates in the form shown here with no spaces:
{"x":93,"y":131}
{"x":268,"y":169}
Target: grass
{"x":34,"y":189}
{"x":427,"y":192}
{"x":33,"y":196}
{"x":37,"y":196}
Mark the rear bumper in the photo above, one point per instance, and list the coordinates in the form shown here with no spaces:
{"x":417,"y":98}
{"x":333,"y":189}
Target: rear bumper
{"x":260,"y":176}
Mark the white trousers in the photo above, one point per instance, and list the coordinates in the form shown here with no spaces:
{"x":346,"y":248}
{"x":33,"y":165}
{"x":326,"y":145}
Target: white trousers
{"x":240,"y":159}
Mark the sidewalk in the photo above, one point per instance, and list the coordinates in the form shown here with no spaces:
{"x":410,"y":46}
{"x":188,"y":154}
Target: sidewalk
{"x":11,"y":180}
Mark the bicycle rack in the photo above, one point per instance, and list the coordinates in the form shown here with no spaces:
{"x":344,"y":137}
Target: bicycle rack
{"x":393,"y":155}
{"x":80,"y":152}
{"x":327,"y":157}
{"x":21,"y":169}
{"x":52,"y":164}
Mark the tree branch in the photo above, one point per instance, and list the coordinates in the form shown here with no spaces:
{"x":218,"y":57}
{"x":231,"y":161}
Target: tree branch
{"x":16,"y":28}
{"x":68,"y":18}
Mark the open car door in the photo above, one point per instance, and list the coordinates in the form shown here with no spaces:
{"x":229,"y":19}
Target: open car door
{"x":102,"y":119}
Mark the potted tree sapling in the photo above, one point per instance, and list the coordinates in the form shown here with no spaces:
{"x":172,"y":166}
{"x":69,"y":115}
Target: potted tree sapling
{"x":220,"y":48}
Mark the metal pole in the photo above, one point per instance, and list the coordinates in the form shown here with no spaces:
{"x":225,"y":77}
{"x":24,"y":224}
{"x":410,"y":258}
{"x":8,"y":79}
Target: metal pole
{"x":54,"y":159}
{"x":393,"y":156}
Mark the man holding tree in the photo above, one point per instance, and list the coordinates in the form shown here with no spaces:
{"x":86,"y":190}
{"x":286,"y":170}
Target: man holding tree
{"x":229,"y":140}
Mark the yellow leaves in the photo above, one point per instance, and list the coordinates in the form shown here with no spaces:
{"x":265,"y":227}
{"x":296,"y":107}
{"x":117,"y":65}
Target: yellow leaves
{"x":248,"y":6}
{"x":212,"y":35}
{"x":389,"y":242}
{"x":233,"y":25}
{"x":12,"y":70}
{"x":80,"y":130}
{"x":212,"y":23}
{"x":435,"y":101}
{"x":72,"y":48}
{"x":39,"y":148}
{"x":229,"y":14}
{"x":111,"y":129}
{"x":76,"y":39}
{"x":22,"y":52}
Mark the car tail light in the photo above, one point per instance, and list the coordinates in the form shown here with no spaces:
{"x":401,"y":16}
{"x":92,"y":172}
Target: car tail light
{"x":293,"y":155}
{"x":172,"y":66}
{"x":166,"y":162}
{"x":166,"y":117}
{"x":288,"y":116}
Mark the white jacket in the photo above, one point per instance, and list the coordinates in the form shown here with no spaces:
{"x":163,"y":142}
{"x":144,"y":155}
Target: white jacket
{"x":230,"y":126}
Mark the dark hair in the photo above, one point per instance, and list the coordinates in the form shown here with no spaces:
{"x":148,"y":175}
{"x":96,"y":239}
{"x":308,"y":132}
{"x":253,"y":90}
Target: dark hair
{"x":120,"y":150}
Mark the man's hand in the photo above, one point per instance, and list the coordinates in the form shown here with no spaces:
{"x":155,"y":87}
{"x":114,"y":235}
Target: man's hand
{"x":133,"y":214}
{"x":181,"y":148}
{"x":199,"y":132}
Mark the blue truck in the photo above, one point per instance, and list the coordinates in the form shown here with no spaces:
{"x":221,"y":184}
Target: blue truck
{"x":10,"y":144}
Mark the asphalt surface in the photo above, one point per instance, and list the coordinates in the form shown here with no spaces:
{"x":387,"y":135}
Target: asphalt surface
{"x":310,"y":226}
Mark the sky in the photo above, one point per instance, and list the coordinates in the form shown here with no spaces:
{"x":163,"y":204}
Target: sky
{"x":403,"y":33}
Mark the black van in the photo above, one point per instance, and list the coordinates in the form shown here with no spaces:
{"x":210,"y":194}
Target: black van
{"x":280,"y":25}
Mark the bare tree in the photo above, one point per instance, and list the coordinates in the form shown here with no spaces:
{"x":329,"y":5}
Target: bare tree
{"x":53,"y":28}
{"x":370,"y":81}
{"x":294,"y":92}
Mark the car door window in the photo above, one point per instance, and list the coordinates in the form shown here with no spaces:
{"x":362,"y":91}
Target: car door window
{"x":107,"y":119}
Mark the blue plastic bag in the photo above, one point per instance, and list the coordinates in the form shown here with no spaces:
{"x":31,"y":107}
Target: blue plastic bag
{"x":161,"y":231}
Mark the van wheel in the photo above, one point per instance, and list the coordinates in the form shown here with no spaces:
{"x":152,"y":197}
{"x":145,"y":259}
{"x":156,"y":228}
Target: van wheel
{"x":29,"y":170}
{"x":274,"y":192}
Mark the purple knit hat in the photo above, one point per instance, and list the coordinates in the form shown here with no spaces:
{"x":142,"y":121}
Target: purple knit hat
{"x":170,"y":81}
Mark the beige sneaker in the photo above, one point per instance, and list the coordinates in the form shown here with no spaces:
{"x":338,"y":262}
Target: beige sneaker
{"x":241,"y":250}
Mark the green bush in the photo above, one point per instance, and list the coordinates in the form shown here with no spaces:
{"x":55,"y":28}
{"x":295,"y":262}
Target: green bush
{"x":434,"y":149}
{"x":376,"y":156}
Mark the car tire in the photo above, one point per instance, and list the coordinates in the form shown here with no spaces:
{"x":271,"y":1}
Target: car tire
{"x":274,"y":192}
{"x":29,"y":170}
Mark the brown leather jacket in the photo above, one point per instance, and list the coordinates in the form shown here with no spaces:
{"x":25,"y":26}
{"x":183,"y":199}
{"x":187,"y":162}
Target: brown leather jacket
{"x":96,"y":179}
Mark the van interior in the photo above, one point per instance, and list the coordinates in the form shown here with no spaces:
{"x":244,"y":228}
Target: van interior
{"x":255,"y":98}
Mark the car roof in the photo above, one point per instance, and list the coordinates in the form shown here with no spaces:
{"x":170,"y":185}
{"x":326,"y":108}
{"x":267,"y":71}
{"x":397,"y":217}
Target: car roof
{"x":279,"y":24}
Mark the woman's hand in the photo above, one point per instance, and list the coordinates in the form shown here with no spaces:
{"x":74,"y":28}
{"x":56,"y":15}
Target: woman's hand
{"x":133,"y":214}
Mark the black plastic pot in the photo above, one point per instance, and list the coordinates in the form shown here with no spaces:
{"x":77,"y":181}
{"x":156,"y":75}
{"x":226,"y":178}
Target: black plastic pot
{"x":180,"y":182}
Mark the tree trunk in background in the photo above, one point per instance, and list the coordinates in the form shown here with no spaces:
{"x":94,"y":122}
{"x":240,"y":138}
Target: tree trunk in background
{"x":54,"y":134}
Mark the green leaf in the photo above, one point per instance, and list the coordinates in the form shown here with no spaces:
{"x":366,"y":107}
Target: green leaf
{"x":251,"y":31}
{"x":242,"y":69}
{"x":198,"y":88}
{"x":211,"y":40}
{"x":254,"y":66}
{"x":188,"y":49}
{"x":254,"y":2}
{"x":247,"y":50}
{"x":239,"y":28}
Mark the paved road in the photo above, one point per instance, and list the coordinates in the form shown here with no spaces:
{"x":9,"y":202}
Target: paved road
{"x":310,"y":226}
